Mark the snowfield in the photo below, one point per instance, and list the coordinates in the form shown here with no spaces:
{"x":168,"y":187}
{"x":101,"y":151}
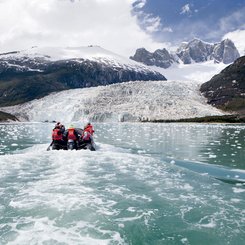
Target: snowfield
{"x":78,"y":54}
{"x":198,"y":72}
{"x":130,"y":101}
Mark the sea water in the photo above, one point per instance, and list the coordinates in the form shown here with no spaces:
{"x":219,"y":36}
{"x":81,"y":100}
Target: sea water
{"x":145,"y":184}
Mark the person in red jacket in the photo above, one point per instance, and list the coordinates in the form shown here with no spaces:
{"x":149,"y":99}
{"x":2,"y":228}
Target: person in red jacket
{"x":86,"y":140}
{"x":72,"y":135}
{"x":57,"y":137}
{"x":89,"y":128}
{"x":60,"y":126}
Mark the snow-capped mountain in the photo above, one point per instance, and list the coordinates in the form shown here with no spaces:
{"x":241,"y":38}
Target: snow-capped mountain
{"x":195,"y":51}
{"x":34,"y":73}
{"x":130,"y":101}
{"x":199,"y":51}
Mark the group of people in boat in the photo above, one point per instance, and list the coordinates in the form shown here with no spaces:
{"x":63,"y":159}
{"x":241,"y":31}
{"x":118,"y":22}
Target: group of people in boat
{"x":72,"y":138}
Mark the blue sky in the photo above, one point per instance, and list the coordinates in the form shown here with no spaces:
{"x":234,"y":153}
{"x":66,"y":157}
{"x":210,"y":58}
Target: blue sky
{"x":181,"y":20}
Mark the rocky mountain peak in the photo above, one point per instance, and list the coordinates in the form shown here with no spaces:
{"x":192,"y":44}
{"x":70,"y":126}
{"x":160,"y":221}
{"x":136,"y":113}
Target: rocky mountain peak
{"x":225,"y":52}
{"x":195,"y":51}
{"x":160,"y":57}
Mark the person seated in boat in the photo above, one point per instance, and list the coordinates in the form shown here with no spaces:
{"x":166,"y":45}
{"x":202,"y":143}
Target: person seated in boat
{"x":60,"y":126}
{"x":72,"y":135}
{"x":58,"y":141}
{"x":89,"y":128}
{"x":86,"y":139}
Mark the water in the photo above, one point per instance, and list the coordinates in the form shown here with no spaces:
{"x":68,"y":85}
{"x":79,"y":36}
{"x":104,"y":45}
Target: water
{"x":146,"y":184}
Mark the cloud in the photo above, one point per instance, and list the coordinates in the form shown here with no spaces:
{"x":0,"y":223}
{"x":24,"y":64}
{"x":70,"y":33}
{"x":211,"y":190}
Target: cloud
{"x":186,"y":9}
{"x":238,"y":38}
{"x":167,"y":29}
{"x":232,"y":25}
{"x":151,"y":23}
{"x":147,"y":21}
{"x":108,"y":23}
{"x":140,"y":4}
{"x":233,"y":20}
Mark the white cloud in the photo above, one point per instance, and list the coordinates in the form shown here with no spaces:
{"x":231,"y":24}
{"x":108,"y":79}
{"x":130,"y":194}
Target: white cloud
{"x":167,"y":29}
{"x":233,"y":20}
{"x":152,"y":23}
{"x":238,"y":38}
{"x":140,"y":4}
{"x":186,"y":9}
{"x":108,"y":23}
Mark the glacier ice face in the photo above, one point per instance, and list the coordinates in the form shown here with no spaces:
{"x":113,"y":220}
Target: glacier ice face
{"x":131,"y":101}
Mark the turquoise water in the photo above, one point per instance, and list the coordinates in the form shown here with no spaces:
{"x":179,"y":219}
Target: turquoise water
{"x":146,"y":184}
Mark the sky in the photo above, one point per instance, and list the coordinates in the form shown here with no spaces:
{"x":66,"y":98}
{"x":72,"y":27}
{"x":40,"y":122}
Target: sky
{"x":120,"y":26}
{"x":182,"y":20}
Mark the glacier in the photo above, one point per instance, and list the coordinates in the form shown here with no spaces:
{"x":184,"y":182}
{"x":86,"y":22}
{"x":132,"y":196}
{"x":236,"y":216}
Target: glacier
{"x":129,"y":101}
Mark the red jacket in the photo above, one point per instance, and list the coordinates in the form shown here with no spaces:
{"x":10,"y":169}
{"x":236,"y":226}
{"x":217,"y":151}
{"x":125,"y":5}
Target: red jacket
{"x":86,"y":136}
{"x":89,"y":128}
{"x":71,"y":134}
{"x":57,"y":135}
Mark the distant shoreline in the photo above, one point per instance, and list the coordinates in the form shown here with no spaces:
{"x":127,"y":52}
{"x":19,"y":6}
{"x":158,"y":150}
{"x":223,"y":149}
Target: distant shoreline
{"x":236,"y":118}
{"x":208,"y":119}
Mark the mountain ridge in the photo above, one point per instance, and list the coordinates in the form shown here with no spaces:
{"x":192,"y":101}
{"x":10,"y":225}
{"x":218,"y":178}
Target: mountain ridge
{"x":195,"y":51}
{"x":27,"y":75}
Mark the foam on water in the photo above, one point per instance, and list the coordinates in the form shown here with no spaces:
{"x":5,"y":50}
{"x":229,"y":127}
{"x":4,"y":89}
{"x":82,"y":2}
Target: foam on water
{"x":51,"y":198}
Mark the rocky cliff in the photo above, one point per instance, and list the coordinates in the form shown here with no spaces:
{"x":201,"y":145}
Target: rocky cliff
{"x":227,"y":89}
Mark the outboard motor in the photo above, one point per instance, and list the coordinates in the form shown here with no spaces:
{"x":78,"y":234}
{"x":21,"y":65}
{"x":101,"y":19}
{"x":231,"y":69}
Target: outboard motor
{"x":71,"y":145}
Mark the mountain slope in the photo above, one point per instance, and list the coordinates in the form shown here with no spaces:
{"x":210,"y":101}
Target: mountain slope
{"x":227,"y":89}
{"x":26,"y":75}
